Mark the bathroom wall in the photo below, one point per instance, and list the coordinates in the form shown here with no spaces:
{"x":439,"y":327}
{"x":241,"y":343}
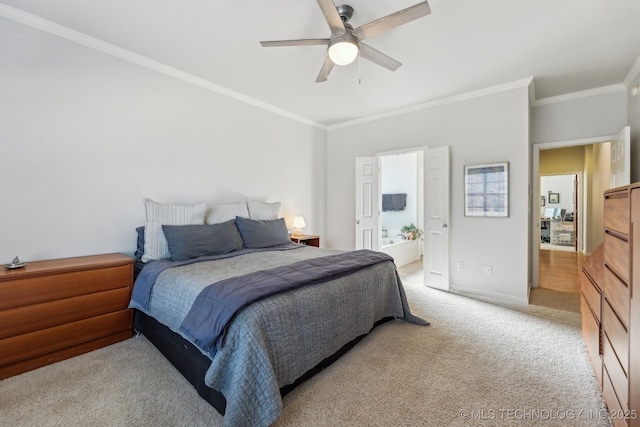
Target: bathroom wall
{"x":399,"y":175}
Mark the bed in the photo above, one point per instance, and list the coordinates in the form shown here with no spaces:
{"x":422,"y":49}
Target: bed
{"x":248,"y":321}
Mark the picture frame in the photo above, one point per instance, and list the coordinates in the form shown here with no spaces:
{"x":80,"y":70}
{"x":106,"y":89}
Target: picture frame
{"x":554,"y":198}
{"x":543,"y":201}
{"x":486,"y":190}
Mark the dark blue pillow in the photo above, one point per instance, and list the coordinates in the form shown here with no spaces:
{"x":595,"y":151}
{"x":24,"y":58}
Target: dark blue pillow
{"x":263,"y":233}
{"x":140,"y":248}
{"x":192,"y":241}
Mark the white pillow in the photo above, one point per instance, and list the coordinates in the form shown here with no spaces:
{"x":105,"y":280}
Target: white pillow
{"x":222,"y":213}
{"x":263,"y":211}
{"x":159,"y":214}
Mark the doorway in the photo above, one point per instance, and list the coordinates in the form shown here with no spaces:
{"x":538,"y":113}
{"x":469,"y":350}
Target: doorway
{"x":433,"y":185}
{"x":401,"y":190}
{"x":569,"y":181}
{"x":605,"y":164}
{"x":559,"y":212}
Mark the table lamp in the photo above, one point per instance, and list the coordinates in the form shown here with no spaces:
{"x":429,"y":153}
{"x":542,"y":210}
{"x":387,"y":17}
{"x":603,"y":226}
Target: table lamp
{"x":297,"y":225}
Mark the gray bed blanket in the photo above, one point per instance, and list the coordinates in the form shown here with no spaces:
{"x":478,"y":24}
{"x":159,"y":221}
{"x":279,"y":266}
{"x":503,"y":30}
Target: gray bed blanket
{"x":275,"y":340}
{"x":216,"y":305}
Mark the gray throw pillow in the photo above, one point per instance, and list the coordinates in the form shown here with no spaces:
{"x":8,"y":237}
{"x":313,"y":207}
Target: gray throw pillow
{"x":263,"y":233}
{"x":192,"y":241}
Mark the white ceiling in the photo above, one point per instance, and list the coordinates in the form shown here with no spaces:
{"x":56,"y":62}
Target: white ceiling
{"x":463,"y":46}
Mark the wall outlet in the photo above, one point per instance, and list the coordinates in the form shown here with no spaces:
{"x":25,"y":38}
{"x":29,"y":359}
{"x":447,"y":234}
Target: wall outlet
{"x":488,"y":270}
{"x":460,"y":266}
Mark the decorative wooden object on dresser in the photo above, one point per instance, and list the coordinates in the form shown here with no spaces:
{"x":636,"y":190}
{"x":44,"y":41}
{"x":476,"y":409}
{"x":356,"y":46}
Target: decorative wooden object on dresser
{"x":53,"y":310}
{"x":307,"y":239}
{"x":617,"y":361}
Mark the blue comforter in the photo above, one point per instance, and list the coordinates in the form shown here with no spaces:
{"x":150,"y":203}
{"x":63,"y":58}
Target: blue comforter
{"x":218,"y":303}
{"x":273,"y":341}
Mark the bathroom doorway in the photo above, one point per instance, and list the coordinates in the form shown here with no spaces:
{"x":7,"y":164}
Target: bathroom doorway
{"x":402,"y":198}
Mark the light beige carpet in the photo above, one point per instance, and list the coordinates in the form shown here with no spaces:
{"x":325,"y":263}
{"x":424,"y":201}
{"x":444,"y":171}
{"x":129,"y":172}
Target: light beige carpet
{"x":478,"y":363}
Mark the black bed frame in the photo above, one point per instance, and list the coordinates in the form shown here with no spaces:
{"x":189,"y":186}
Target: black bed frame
{"x":193,"y":365}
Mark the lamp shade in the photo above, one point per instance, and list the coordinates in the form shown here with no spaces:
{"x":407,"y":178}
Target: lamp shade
{"x":297,"y":225}
{"x":298,"y":222}
{"x":343,"y":49}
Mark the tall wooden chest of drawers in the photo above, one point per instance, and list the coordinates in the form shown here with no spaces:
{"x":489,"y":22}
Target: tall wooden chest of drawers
{"x":57,"y":309}
{"x":613,"y":300}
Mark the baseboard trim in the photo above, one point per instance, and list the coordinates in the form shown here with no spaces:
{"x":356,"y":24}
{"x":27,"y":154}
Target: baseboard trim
{"x":487,"y":294}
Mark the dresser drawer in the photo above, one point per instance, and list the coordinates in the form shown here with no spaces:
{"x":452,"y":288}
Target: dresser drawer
{"x":62,"y":354}
{"x":616,"y":211}
{"x":591,"y":336}
{"x":591,"y":294}
{"x":34,"y":290}
{"x":617,"y":376}
{"x":612,"y":401}
{"x":617,"y":254}
{"x":23,"y":347}
{"x":617,"y":293}
{"x":30,"y":318}
{"x":617,"y":334}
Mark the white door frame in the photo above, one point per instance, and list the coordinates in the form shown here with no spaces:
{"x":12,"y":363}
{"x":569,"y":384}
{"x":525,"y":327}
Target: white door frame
{"x":424,"y":200}
{"x":367,"y":202}
{"x":437,"y":187}
{"x":535,"y":219}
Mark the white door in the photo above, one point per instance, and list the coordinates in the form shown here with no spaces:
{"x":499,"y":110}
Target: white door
{"x":436,"y":209}
{"x":620,"y":158}
{"x":367,"y":201}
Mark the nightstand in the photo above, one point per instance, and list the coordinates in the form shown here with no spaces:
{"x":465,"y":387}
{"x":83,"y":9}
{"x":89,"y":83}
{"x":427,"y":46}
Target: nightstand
{"x":307,"y":239}
{"x":53,"y":310}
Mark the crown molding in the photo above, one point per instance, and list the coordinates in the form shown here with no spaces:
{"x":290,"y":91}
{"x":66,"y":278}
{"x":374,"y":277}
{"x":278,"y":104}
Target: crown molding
{"x":579,"y":95}
{"x":437,"y":103}
{"x":632,"y":74}
{"x":50,"y":27}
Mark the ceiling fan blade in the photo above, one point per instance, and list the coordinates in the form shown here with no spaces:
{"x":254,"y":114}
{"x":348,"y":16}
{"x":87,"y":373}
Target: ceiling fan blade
{"x":300,"y":42}
{"x":391,"y":21}
{"x":377,"y":57}
{"x":332,"y":17}
{"x":324,"y":72}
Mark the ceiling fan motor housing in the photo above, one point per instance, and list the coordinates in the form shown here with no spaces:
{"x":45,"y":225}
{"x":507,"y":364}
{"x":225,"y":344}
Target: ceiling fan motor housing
{"x":345,"y":11}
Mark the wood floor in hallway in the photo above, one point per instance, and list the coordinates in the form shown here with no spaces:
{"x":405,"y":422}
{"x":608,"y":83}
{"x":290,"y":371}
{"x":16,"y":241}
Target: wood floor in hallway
{"x":560,"y":270}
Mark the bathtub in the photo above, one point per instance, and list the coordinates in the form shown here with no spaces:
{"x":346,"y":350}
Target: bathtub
{"x":403,"y":251}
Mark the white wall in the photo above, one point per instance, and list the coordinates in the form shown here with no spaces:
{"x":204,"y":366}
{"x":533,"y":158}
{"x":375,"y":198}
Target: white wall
{"x":561,"y":184}
{"x":633,"y":120}
{"x":480,"y":130}
{"x":86,"y":136}
{"x":586,"y":117}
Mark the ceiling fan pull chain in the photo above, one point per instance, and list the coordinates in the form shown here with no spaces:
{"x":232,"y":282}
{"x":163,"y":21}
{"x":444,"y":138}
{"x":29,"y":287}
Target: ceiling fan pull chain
{"x":359,"y":68}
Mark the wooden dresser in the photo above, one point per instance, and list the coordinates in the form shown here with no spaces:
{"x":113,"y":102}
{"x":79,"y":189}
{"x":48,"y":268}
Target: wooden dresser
{"x":57,"y":309}
{"x":616,"y":352}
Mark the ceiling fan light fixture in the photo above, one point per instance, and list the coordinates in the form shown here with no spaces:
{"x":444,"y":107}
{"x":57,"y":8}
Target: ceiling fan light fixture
{"x":343,"y":50}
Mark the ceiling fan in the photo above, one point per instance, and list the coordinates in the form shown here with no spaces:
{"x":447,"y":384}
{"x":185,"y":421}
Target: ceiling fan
{"x":345,"y":43}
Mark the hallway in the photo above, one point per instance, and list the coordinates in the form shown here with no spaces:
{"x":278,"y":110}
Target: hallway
{"x":560,"y":270}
